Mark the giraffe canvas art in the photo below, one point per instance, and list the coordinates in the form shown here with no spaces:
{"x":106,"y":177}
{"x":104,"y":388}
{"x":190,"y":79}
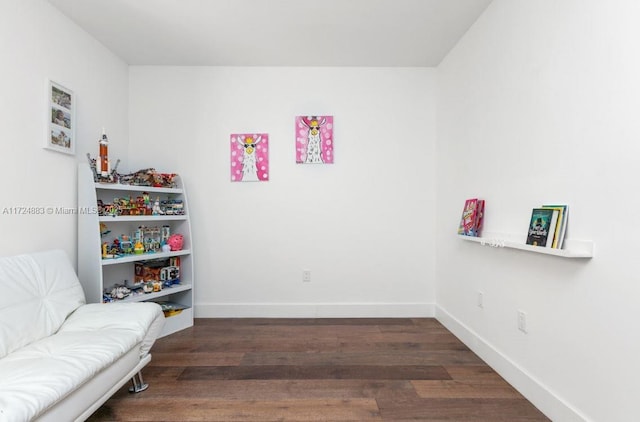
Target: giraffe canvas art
{"x":250,"y":157}
{"x":314,"y":139}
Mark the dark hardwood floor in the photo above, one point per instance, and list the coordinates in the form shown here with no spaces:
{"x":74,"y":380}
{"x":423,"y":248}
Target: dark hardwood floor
{"x":318,"y":370}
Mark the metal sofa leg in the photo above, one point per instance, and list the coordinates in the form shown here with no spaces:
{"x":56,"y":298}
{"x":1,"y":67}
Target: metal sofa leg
{"x":138,"y":383}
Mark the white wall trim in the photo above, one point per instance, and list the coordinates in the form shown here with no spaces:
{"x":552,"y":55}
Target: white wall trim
{"x":315,"y":310}
{"x":536,"y":392}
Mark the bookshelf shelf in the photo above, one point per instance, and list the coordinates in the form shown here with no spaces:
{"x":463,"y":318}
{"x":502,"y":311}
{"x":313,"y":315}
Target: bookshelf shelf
{"x":144,"y":257}
{"x":145,"y":218}
{"x":573,"y":248}
{"x":161,"y":294}
{"x":136,"y":188}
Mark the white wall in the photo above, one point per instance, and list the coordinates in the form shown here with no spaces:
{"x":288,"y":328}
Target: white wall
{"x":38,"y":43}
{"x":539,"y":103}
{"x":363,"y":225}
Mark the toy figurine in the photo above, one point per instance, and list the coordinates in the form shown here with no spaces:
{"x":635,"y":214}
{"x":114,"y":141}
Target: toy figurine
{"x":156,"y":208}
{"x":126,"y":245}
{"x":138,"y":248}
{"x":114,"y":251}
{"x":165,"y":233}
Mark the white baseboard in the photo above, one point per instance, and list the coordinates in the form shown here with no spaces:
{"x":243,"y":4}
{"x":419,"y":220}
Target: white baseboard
{"x":315,"y":310}
{"x":537,"y":393}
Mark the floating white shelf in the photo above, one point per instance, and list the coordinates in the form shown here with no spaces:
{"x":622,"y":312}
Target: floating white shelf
{"x":572,"y":248}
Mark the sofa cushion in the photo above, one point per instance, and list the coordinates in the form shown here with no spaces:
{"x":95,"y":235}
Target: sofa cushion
{"x":39,"y":291}
{"x":145,"y":319}
{"x":94,"y":337}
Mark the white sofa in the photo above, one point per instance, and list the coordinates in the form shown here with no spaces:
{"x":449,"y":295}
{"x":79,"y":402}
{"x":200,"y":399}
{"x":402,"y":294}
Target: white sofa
{"x":61,"y":359}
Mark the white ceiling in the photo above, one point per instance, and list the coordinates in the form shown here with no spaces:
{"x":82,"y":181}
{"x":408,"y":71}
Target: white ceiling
{"x":276,"y":32}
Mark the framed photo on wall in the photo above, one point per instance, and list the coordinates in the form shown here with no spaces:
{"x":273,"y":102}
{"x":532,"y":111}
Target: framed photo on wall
{"x":314,"y":139}
{"x":61,"y":117}
{"x":249,"y":157}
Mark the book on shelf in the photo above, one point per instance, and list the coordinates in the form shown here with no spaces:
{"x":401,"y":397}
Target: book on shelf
{"x":542,"y":227}
{"x":479,"y":217}
{"x":472,"y":217}
{"x":561,"y":226}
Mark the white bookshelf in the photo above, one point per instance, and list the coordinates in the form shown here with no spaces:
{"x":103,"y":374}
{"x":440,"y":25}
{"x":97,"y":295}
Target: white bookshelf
{"x":98,"y":274}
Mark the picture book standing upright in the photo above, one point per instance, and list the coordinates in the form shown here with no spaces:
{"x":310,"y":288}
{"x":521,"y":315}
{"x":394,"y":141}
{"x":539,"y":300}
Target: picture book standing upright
{"x":479,"y":217}
{"x":542,"y":227}
{"x":561,"y":226}
{"x":472,"y":217}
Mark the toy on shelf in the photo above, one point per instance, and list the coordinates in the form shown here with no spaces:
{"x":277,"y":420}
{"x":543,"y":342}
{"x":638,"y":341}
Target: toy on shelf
{"x":104,"y":155}
{"x":143,"y":240}
{"x":112,"y":250}
{"x":162,"y":272}
{"x":123,"y":291}
{"x":171,"y":308}
{"x":104,"y":230}
{"x":126,"y":246}
{"x":165,"y":234}
{"x":149,"y":177}
{"x":170,"y":275}
{"x":156,"y":210}
{"x":105,"y":251}
{"x":151,"y":239}
{"x":172,"y":207}
{"x":147,"y":271}
{"x":141,"y":205}
{"x":175,"y":241}
{"x":111,"y":178}
{"x":105,"y":174}
{"x":118,"y":292}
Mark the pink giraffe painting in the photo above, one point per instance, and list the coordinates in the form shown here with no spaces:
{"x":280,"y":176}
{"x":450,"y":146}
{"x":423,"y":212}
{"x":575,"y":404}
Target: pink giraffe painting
{"x":250,"y":157}
{"x":314,"y":139}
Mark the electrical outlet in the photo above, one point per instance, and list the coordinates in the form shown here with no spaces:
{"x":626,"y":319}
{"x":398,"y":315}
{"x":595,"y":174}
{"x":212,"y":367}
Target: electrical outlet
{"x":522,"y":321}
{"x":306,"y":276}
{"x":480,"y":300}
